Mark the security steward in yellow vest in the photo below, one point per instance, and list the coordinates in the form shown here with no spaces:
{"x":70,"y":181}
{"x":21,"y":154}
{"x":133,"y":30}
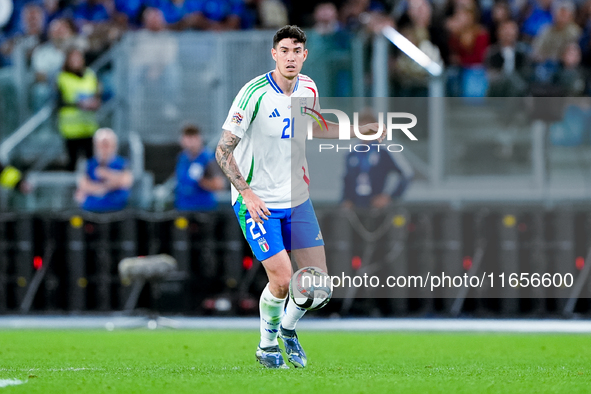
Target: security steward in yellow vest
{"x":79,"y":93}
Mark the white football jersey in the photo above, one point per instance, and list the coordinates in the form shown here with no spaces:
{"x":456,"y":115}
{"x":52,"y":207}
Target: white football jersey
{"x":271,"y":154}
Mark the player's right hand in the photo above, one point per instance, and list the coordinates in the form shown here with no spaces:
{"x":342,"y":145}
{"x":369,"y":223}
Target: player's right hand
{"x":256,"y":207}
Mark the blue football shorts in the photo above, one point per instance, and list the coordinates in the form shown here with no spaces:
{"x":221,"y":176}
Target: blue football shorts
{"x":287,"y":229}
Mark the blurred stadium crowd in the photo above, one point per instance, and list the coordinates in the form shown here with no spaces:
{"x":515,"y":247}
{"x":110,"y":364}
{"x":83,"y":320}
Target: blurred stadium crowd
{"x":96,"y":24}
{"x":499,"y":48}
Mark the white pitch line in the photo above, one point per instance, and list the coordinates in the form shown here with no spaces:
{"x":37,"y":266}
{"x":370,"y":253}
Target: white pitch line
{"x":402,"y":325}
{"x":307,"y":324}
{"x":452,"y":325}
{"x":10,"y":382}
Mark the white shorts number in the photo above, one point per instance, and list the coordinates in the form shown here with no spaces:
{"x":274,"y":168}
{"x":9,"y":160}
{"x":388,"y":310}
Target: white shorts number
{"x":252,"y":228}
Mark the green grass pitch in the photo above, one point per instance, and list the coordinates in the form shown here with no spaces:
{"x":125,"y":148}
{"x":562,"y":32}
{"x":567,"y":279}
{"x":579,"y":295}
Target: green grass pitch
{"x":166,"y":361}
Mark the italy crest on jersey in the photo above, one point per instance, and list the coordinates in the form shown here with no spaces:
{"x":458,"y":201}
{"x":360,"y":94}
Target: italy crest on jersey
{"x":263,"y":244}
{"x":303,"y":106}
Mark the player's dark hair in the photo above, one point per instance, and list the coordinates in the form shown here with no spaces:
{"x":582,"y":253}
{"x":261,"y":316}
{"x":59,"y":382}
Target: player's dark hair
{"x":289,"y":31}
{"x":191,"y":130}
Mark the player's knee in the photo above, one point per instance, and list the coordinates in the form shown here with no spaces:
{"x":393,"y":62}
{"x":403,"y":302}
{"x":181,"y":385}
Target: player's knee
{"x":284,"y":288}
{"x":280,"y":288}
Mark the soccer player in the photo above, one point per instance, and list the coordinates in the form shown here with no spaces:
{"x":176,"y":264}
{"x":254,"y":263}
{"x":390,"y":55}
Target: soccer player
{"x":264,"y":159}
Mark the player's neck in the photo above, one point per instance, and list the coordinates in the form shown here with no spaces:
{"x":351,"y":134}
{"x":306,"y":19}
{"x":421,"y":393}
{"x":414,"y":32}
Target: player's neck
{"x":285,"y":84}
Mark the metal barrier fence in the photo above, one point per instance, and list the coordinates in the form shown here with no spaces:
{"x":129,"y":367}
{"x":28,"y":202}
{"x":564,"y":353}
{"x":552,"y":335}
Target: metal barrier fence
{"x":167,"y":79}
{"x":68,"y":261}
{"x":8,"y":102}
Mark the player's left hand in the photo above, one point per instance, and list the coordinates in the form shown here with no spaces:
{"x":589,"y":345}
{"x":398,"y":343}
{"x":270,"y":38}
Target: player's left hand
{"x":256,"y":207}
{"x":372,"y":129}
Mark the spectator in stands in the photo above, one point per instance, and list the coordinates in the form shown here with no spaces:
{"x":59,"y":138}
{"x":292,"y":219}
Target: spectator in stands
{"x":352,"y":14}
{"x":438,"y":34}
{"x":28,"y":18}
{"x":128,"y":13}
{"x":78,"y":100}
{"x":365,"y":183}
{"x":272,"y":14}
{"x":219,"y":15}
{"x":178,"y":14}
{"x":48,"y":59}
{"x":329,"y":59}
{"x":198,"y":175}
{"x":468,"y":40}
{"x":499,"y":13}
{"x":154,"y":62}
{"x":571,"y":76}
{"x":549,"y":44}
{"x":55,"y":10}
{"x":93,"y":18}
{"x":452,"y":6}
{"x":30,"y":34}
{"x":90,"y":12}
{"x":326,"y":19}
{"x":153,"y":21}
{"x":536,"y":18}
{"x":411,"y":78}
{"x":507,"y":63}
{"x":583,"y":15}
{"x":106,"y":183}
{"x":585,"y":41}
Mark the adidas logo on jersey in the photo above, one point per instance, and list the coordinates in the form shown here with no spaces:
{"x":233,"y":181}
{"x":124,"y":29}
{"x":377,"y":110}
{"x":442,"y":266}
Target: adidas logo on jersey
{"x":274,"y":114}
{"x":319,"y":237}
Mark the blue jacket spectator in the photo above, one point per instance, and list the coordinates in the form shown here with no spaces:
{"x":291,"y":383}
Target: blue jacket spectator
{"x":366,"y":176}
{"x":91,"y":11}
{"x":197,"y":173}
{"x":130,"y":11}
{"x":177,"y":12}
{"x":539,"y":17}
{"x":220,"y":14}
{"x":106,"y":183}
{"x":218,"y":11}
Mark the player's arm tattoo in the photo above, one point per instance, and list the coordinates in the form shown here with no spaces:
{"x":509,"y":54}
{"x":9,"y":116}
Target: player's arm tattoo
{"x":224,"y":155}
